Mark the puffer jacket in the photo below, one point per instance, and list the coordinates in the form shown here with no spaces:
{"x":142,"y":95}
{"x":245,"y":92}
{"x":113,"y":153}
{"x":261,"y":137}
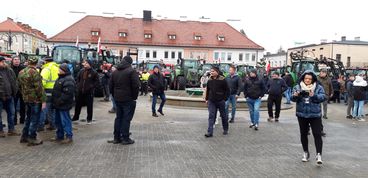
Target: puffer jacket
{"x":63,"y":92}
{"x":311,"y":109}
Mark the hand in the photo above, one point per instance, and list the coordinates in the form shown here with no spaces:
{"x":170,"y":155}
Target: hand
{"x":296,"y":93}
{"x":311,"y":93}
{"x":206,"y":101}
{"x":331,"y":95}
{"x":44,"y":105}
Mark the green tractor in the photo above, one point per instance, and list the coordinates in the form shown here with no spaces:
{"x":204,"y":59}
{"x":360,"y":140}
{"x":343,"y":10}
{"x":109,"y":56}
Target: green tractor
{"x":243,"y":69}
{"x":300,"y":64}
{"x":224,"y":68}
{"x":186,"y":74}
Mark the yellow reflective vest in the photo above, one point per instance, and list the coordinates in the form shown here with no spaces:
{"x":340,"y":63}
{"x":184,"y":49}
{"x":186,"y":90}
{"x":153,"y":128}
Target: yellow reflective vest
{"x":145,"y":76}
{"x":49,"y":73}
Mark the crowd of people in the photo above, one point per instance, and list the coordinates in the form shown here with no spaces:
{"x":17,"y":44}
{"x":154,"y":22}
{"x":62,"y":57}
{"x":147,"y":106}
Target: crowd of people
{"x":46,"y":96}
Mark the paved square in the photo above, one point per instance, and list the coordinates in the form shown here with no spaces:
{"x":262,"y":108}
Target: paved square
{"x":174,"y":146}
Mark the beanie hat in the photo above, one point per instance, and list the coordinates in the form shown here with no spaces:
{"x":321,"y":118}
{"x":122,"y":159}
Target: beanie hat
{"x":217,"y":69}
{"x":128,"y":59}
{"x":89,"y":61}
{"x":64,"y":67}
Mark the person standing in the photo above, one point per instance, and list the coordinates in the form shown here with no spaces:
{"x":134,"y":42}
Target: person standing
{"x":350,"y":93}
{"x":124,"y":87}
{"x":17,"y":67}
{"x":49,"y":74}
{"x":106,"y":74}
{"x":217,"y":92}
{"x":359,"y":95}
{"x":276,"y":86}
{"x":289,"y":82}
{"x":336,"y":90}
{"x":113,"y":108}
{"x":8,"y":90}
{"x":34,"y":96}
{"x":156,"y":82}
{"x":254,"y":90}
{"x":326,"y":83}
{"x":144,"y":82}
{"x":235,"y":85}
{"x":87,"y":80}
{"x":62,"y":100}
{"x":343,"y":93}
{"x":309,"y":95}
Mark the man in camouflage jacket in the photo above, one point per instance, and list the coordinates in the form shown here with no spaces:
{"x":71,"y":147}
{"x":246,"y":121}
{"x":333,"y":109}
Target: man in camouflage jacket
{"x":34,"y":96}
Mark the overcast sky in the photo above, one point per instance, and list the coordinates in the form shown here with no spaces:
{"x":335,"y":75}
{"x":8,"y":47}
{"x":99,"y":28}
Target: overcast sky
{"x":270,"y":23}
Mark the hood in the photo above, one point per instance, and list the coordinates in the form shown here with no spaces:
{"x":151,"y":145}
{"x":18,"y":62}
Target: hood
{"x":310,"y":72}
{"x":123,"y":65}
{"x":219,"y":77}
{"x":360,"y":82}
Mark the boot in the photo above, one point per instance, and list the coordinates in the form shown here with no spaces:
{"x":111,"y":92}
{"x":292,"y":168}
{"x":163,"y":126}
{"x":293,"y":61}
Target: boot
{"x":13,"y":133}
{"x":154,"y":114}
{"x":67,"y":141}
{"x":34,"y":142}
{"x":2,"y":134}
{"x":23,"y":139}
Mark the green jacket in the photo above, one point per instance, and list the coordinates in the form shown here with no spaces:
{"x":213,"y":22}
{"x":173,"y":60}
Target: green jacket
{"x":326,"y":84}
{"x":30,"y":82}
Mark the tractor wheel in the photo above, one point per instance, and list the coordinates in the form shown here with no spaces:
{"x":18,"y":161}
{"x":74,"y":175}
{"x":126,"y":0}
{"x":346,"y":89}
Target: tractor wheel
{"x":181,"y":83}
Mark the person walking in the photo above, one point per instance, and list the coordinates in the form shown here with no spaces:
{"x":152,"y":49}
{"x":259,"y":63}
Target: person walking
{"x":8,"y":90}
{"x":17,"y":67}
{"x":276,"y":86}
{"x":359,"y":95}
{"x":87,"y":80}
{"x":217,"y":92}
{"x":350,"y":93}
{"x":235,"y":85}
{"x":289,"y":82}
{"x":254,"y":90}
{"x":326,"y":83}
{"x":308,"y":95}
{"x":156,"y":82}
{"x":34,"y":96}
{"x":49,"y":74}
{"x":124,"y":87}
{"x":62,"y":100}
{"x":144,"y":82}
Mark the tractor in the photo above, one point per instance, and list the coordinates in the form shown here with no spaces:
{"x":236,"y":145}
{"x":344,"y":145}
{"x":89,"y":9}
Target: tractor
{"x":68,"y":54}
{"x":186,"y":74}
{"x":243,"y":69}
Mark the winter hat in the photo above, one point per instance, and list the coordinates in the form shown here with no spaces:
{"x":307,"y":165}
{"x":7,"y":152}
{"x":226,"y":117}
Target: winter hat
{"x":48,"y":58}
{"x":254,"y":71}
{"x":217,"y":69}
{"x":89,"y":61}
{"x":156,"y":66}
{"x":65,"y":68}
{"x":128,"y":59}
{"x":360,"y":82}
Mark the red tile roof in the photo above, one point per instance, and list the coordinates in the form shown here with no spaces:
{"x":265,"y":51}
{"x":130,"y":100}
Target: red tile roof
{"x":136,"y":28}
{"x":10,"y":25}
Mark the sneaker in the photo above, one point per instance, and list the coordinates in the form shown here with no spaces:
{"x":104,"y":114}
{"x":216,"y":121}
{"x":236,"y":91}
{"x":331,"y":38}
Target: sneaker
{"x":75,"y":119}
{"x":231,"y":121}
{"x":349,"y":117}
{"x":67,"y":141}
{"x":57,"y":140}
{"x":270,"y":119}
{"x":127,"y":141}
{"x":305,"y":157}
{"x":225,"y":132}
{"x":154,"y":115}
{"x":276,"y":119}
{"x":161,"y":113}
{"x":13,"y":133}
{"x":361,"y":119}
{"x":208,"y":135}
{"x":112,"y":111}
{"x":2,"y":134}
{"x":325,"y":117}
{"x":323,"y":134}
{"x":114,"y":141}
{"x":256,"y":127}
{"x":83,"y":120}
{"x":89,"y":122}
{"x":319,"y":159}
{"x":251,"y":126}
{"x":34,"y":142}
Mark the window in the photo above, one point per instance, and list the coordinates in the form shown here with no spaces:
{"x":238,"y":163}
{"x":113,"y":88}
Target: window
{"x":173,"y":55}
{"x":154,"y":55}
{"x":320,"y":48}
{"x":253,"y":57}
{"x":147,"y":54}
{"x":172,"y":37}
{"x":223,"y":55}
{"x":197,"y":37}
{"x":240,"y":56}
{"x":338,"y":57}
{"x":313,"y":49}
{"x":221,"y":38}
{"x":95,"y":33}
{"x":166,"y":54}
{"x":179,"y":55}
{"x":247,"y":57}
{"x":229,"y":55}
{"x":123,"y":34}
{"x":217,"y":55}
{"x":147,"y":36}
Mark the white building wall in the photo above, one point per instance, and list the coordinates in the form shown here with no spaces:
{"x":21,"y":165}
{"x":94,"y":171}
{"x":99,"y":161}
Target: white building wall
{"x":250,"y":57}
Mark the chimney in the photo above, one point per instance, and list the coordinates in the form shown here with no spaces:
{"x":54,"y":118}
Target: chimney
{"x":343,"y":38}
{"x":147,"y":16}
{"x":357,"y":38}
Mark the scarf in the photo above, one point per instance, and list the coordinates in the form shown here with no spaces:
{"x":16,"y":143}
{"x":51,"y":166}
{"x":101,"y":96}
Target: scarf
{"x":310,"y":87}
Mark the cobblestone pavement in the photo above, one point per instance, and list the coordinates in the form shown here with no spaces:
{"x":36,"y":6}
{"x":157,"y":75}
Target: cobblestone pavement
{"x":174,"y":146}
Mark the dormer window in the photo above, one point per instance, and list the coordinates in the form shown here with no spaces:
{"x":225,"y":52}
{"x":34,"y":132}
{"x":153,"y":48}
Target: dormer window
{"x":220,"y":38}
{"x":172,"y":37}
{"x":95,"y":33}
{"x":123,"y":34}
{"x":147,"y":36}
{"x":197,"y":37}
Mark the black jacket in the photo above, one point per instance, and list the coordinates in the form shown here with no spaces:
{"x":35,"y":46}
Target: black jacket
{"x":254,"y":88}
{"x":157,"y":83}
{"x":88,"y":84}
{"x":63,"y":92}
{"x":235,"y":84}
{"x":124,"y":83}
{"x":217,"y":89}
{"x":276,"y":87}
{"x":359,"y":93}
{"x":288,"y":80}
{"x":8,"y":83}
{"x":349,"y":88}
{"x":17,"y":69}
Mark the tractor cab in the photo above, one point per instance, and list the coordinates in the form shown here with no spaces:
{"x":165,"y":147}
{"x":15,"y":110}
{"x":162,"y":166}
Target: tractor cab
{"x":68,"y":54}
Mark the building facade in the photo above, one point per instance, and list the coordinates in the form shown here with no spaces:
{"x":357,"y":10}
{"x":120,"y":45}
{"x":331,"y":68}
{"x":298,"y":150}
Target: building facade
{"x":19,"y":37}
{"x":162,"y":39}
{"x":277,"y":60}
{"x":353,"y":53}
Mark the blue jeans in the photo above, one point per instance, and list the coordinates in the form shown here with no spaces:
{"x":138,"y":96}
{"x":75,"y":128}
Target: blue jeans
{"x":113,"y":103}
{"x":212,"y":111}
{"x":288,"y":95}
{"x":124,"y":115}
{"x":254,"y":105}
{"x":8,"y":106}
{"x":49,"y":113}
{"x":63,"y":123}
{"x":32,"y":120}
{"x":154,"y":101}
{"x":358,"y":108}
{"x":232,"y":100}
